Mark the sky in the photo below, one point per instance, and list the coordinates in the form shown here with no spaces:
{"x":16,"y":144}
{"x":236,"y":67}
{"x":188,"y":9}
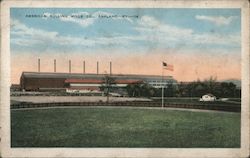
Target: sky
{"x":199,"y":42}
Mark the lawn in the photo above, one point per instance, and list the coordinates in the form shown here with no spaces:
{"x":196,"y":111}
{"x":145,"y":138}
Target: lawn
{"x":123,"y":127}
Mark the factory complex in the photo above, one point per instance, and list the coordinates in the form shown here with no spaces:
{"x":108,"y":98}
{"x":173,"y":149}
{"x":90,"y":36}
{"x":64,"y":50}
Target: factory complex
{"x":81,"y":82}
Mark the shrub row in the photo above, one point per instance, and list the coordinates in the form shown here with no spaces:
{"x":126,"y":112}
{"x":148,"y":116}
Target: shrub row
{"x":206,"y":106}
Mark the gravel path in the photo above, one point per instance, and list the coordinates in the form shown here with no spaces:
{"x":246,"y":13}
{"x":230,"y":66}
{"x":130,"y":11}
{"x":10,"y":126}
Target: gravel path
{"x":53,"y":99}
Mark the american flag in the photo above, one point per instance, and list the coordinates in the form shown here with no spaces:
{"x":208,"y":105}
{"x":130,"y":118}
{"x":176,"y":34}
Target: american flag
{"x":167,"y":66}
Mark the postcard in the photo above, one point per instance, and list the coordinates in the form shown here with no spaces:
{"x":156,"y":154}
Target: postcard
{"x":125,"y":78}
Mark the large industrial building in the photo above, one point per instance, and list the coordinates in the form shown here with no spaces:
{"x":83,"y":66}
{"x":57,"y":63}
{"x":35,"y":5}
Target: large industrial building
{"x":71,"y":82}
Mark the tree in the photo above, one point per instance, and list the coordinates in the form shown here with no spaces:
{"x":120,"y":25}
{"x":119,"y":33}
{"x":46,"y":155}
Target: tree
{"x":210,"y":84}
{"x":108,"y":83}
{"x":170,"y":90}
{"x":181,"y":91}
{"x":140,"y":90}
{"x":133,"y":89}
{"x":228,"y":89}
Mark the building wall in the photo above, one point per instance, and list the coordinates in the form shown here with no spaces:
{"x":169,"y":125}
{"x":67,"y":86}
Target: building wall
{"x":38,"y":83}
{"x":94,"y":85}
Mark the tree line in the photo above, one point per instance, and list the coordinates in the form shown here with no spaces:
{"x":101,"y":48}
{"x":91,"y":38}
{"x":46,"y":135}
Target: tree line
{"x":184,"y":89}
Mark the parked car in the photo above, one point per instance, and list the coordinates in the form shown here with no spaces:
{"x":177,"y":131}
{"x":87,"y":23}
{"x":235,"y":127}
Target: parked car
{"x":208,"y":97}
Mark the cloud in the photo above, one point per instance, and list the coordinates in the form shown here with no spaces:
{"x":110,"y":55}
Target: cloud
{"x":151,"y":33}
{"x":85,"y":19}
{"x":217,"y":20}
{"x":23,"y":35}
{"x":156,"y":31}
{"x":21,"y":29}
{"x":217,"y":39}
{"x":28,"y":36}
{"x":149,"y":21}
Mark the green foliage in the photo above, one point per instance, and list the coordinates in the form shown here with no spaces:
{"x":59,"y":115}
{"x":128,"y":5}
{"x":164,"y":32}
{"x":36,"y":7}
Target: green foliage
{"x":107,"y":86}
{"x":170,"y":90}
{"x":191,"y":89}
{"x":199,"y":88}
{"x":140,"y":90}
{"x":124,"y":127}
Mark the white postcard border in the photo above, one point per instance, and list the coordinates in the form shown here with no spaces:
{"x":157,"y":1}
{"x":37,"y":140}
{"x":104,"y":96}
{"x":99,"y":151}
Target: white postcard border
{"x":7,"y":151}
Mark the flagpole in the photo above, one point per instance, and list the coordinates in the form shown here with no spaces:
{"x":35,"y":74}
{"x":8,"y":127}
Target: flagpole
{"x":162,"y":92}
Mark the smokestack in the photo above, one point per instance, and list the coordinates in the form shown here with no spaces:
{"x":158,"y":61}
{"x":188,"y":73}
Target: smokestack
{"x":54,"y":65}
{"x":69,"y":66}
{"x":83,"y":64}
{"x":39,"y":65}
{"x":110,"y":67}
{"x":97,"y":68}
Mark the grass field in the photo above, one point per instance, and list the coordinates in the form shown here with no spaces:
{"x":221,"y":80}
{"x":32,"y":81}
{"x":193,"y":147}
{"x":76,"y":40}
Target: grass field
{"x":123,"y":127}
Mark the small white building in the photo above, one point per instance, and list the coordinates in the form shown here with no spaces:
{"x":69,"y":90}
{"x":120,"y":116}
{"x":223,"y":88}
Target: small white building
{"x":208,"y":97}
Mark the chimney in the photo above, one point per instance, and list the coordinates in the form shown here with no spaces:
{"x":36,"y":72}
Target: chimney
{"x":54,"y":65}
{"x":69,"y":66}
{"x":83,"y":64}
{"x":38,"y":64}
{"x":97,"y":68}
{"x":110,"y":67}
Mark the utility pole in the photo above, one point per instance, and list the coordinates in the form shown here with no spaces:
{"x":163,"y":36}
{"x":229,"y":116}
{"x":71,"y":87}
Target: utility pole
{"x":54,"y":65}
{"x":97,"y":68}
{"x":162,"y":92}
{"x":69,"y":66}
{"x":83,"y":64}
{"x":38,"y":64}
{"x":110,"y":67}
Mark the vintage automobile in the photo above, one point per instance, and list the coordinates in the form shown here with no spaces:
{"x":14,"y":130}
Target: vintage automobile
{"x":208,"y":97}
